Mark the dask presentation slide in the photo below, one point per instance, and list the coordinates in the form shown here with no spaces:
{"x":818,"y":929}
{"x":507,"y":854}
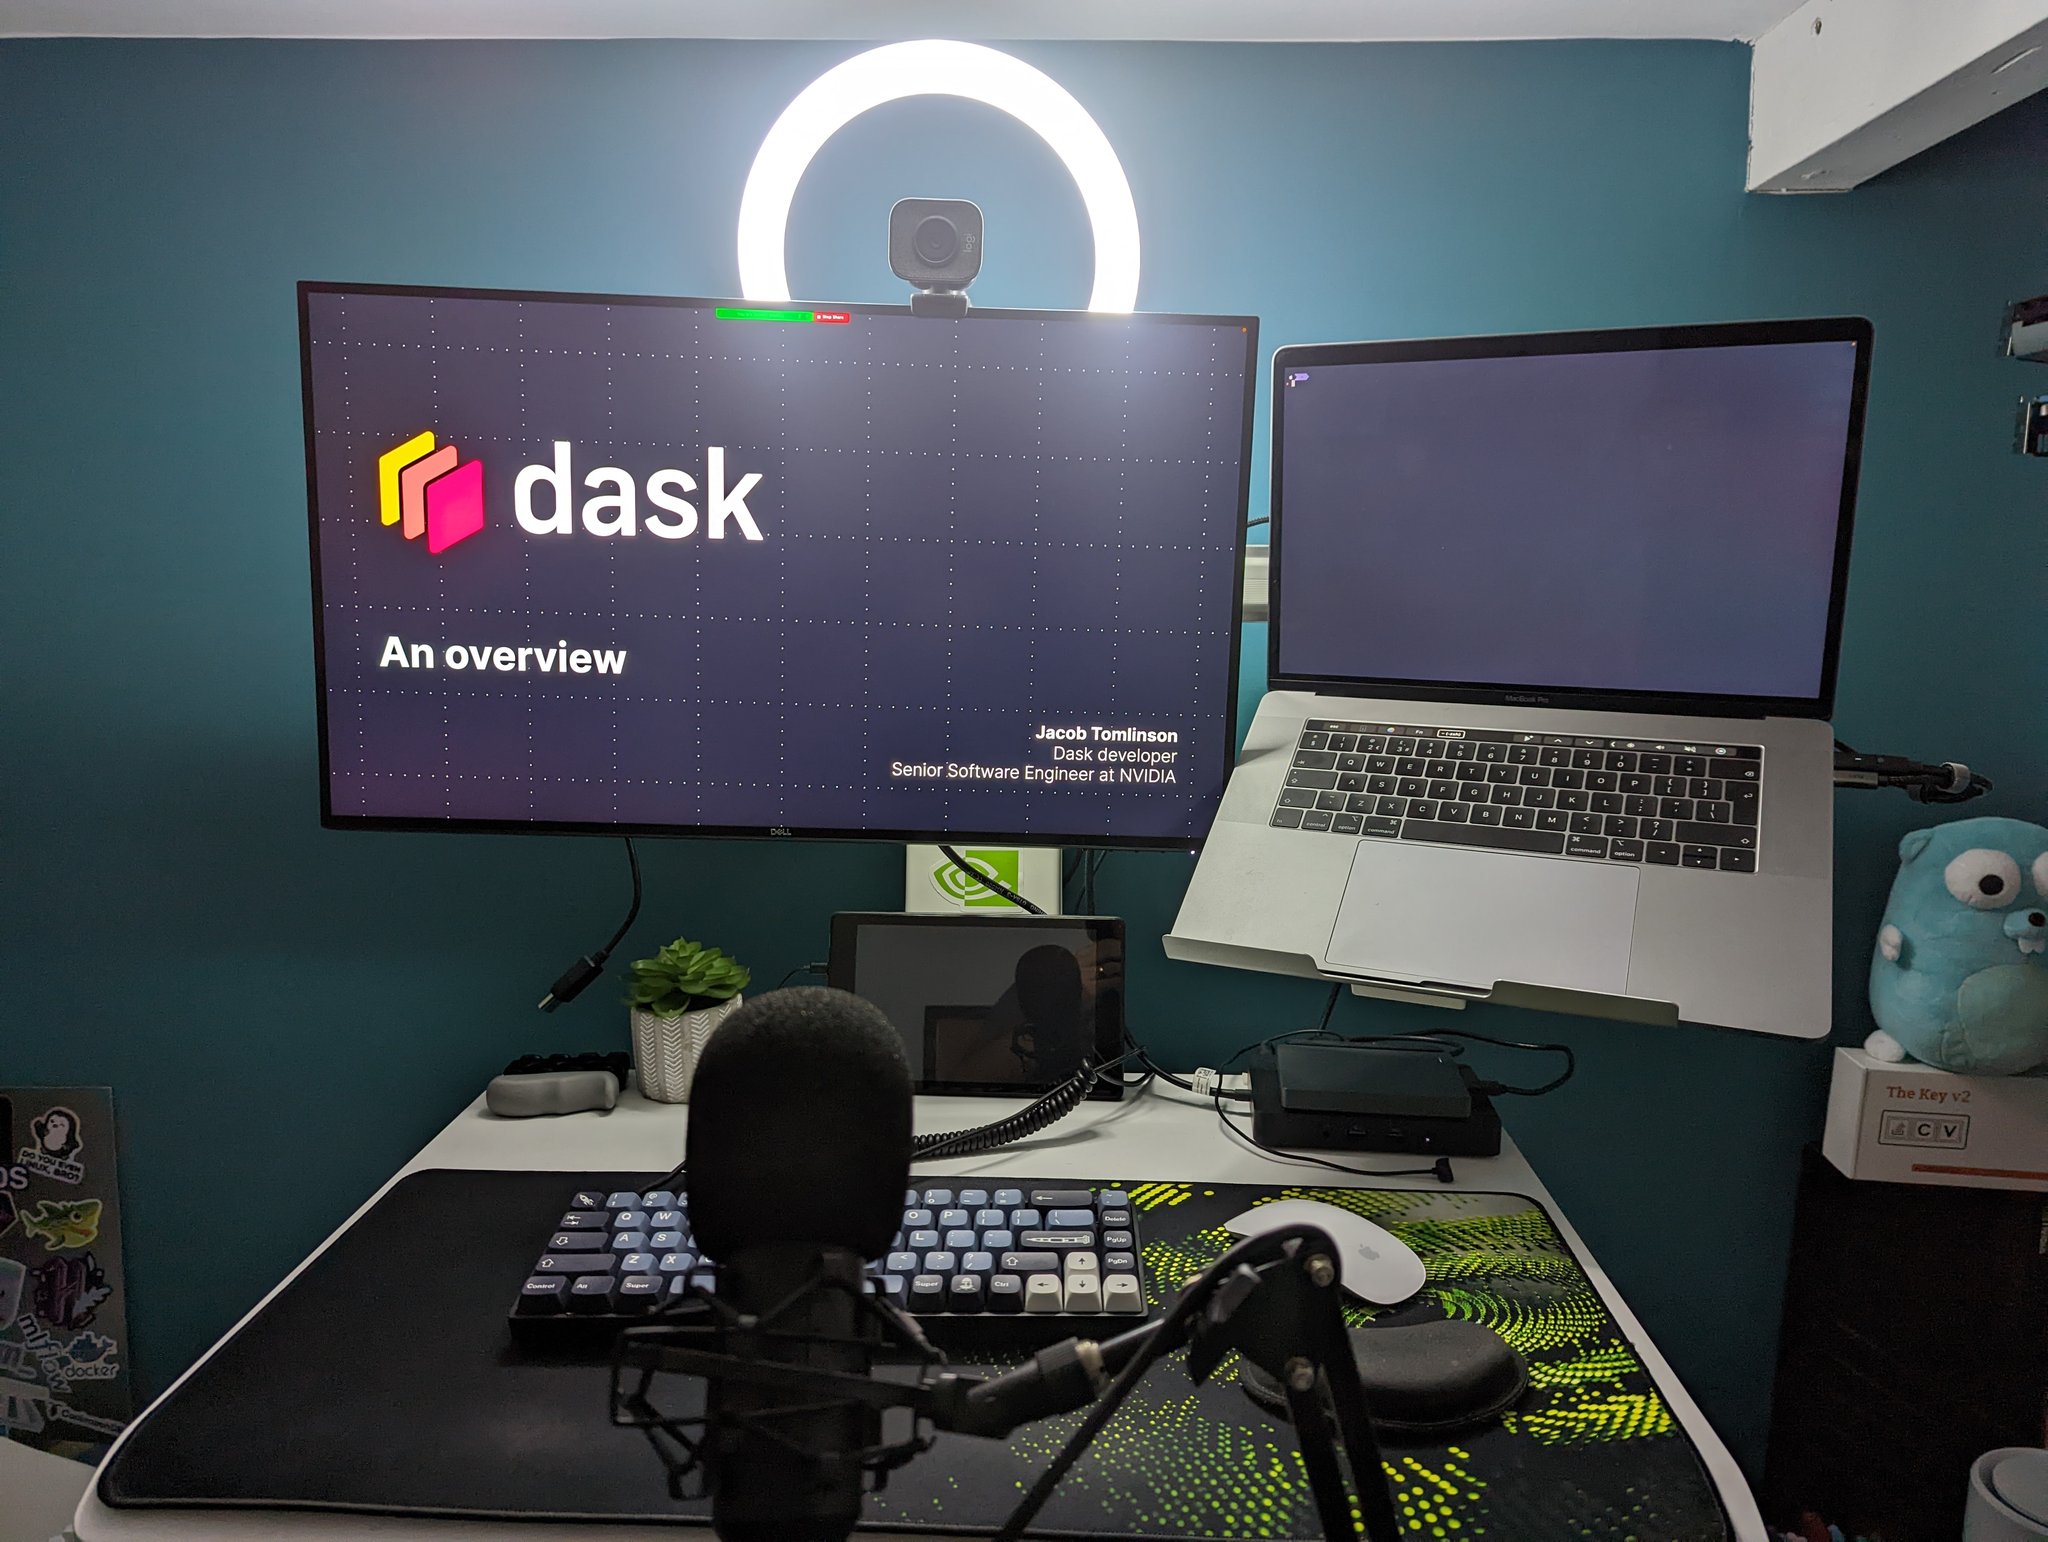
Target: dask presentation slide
{"x":603,"y":562}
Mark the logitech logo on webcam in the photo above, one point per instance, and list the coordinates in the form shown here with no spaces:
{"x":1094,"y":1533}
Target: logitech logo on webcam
{"x":431,"y":491}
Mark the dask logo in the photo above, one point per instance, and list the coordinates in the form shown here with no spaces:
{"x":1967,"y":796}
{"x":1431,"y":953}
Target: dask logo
{"x":430,"y":491}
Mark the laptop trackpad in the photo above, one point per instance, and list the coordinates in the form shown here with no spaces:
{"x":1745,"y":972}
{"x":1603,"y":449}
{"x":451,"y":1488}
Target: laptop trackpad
{"x":1455,"y":916}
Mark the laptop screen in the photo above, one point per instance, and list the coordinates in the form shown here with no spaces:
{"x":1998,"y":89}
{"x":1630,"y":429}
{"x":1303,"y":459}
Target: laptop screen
{"x":1662,"y":513}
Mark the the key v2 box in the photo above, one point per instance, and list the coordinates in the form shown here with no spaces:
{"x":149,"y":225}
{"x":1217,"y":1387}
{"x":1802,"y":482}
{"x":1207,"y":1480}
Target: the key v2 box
{"x":1912,"y":1123}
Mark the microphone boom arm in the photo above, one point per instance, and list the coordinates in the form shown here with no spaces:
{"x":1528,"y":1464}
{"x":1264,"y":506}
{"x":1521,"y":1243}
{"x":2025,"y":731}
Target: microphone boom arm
{"x":1274,"y":1299}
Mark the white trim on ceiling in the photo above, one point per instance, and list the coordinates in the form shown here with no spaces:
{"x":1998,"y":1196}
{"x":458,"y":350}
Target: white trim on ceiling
{"x":1179,"y":20}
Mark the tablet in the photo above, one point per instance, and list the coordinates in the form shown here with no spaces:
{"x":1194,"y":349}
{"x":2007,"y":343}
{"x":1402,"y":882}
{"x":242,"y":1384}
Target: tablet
{"x":1002,"y":1006}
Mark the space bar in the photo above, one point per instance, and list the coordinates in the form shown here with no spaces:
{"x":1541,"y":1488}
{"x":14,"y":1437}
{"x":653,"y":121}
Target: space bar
{"x":1498,"y":836}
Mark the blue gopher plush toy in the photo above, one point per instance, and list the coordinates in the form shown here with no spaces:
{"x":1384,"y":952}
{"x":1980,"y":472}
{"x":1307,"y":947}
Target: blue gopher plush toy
{"x":1960,"y":977}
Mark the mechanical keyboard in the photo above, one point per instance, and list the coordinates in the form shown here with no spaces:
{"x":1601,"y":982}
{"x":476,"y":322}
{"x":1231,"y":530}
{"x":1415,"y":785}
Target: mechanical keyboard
{"x":1556,"y":795}
{"x":1011,"y":1261}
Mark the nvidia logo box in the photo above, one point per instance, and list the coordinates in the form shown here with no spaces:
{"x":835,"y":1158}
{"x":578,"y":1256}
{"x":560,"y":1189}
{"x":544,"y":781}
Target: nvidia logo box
{"x":1912,"y":1123}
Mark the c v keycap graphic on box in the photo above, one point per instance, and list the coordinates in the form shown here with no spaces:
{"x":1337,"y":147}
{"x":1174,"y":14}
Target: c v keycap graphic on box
{"x":430,"y":491}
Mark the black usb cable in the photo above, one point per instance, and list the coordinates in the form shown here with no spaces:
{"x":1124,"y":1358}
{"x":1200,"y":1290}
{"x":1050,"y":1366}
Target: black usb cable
{"x":572,"y":981}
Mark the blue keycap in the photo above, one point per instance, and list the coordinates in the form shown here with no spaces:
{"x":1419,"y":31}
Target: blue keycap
{"x":592,"y":1294}
{"x":1006,"y":1199}
{"x":637,"y":1263}
{"x":658,"y":1199}
{"x":638,"y":1292}
{"x":629,"y":1220}
{"x":629,"y":1242}
{"x":665,"y":1241}
{"x":665,"y":1220}
{"x":622,"y":1199}
{"x":909,"y":1197}
{"x":900,"y":1263}
{"x":940,"y":1263}
{"x":679,"y":1286}
{"x":948,"y":1218}
{"x":978,"y":1262}
{"x":914,"y":1219}
{"x":1114,"y":1199}
{"x":991,"y":1218}
{"x":938,"y":1198}
{"x":998,"y":1239}
{"x":543,"y":1295}
{"x":704,"y":1281}
{"x":921,"y":1241}
{"x":973,"y":1198}
{"x":892,"y":1286}
{"x":1069,"y":1220}
{"x":960,"y":1237}
{"x":1025,"y":1218}
{"x":678,"y":1263}
{"x":585,"y":1220}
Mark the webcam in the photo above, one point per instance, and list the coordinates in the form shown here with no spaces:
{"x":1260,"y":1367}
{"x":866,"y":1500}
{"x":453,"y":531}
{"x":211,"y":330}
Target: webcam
{"x":935,"y":244}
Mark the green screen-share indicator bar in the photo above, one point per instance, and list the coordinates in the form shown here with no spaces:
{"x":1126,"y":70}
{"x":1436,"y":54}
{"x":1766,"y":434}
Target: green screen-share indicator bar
{"x":750,"y":313}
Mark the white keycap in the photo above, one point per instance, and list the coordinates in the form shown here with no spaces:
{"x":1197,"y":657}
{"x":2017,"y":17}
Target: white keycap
{"x":1120,"y":1293}
{"x":1084,"y":1293}
{"x":1083,"y":1263}
{"x":1042,"y":1293}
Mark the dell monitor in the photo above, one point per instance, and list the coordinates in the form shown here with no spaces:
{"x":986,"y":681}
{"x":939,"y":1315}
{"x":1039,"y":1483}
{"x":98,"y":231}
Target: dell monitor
{"x":636,"y":565}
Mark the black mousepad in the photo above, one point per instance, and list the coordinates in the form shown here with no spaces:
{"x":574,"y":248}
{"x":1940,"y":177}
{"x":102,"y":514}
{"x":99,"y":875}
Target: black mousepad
{"x":382,"y":1380}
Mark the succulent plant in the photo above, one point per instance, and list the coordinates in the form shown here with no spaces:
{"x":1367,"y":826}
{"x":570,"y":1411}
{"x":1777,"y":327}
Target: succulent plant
{"x":685,"y":976}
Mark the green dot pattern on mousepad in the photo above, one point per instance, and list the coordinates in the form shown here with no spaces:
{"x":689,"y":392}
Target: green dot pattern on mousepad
{"x":1590,"y":1451}
{"x":381,"y":1380}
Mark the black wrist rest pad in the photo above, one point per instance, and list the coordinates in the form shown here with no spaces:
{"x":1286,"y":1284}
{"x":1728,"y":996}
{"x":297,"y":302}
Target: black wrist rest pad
{"x":382,"y":1381}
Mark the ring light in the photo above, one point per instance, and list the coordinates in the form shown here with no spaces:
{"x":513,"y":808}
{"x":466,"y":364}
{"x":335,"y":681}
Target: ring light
{"x":936,"y":68}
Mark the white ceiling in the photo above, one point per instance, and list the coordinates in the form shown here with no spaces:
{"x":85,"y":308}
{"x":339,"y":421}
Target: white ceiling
{"x":1256,"y":20}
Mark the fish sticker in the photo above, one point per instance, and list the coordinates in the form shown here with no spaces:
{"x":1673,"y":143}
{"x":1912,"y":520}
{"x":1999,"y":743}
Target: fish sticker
{"x":60,"y":1224}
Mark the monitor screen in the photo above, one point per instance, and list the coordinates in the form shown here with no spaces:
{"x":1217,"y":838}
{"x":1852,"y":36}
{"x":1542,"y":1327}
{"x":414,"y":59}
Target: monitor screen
{"x":618,"y":563}
{"x":1658,"y":513}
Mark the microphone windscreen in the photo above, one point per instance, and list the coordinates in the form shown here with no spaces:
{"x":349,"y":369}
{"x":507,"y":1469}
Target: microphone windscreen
{"x":799,"y":1126}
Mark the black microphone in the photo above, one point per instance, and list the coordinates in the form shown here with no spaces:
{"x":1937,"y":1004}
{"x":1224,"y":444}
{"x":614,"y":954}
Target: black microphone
{"x":797,"y":1158}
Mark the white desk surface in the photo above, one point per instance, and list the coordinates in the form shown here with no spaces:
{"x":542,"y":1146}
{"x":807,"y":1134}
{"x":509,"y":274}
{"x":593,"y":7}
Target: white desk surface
{"x":1163,"y":1134}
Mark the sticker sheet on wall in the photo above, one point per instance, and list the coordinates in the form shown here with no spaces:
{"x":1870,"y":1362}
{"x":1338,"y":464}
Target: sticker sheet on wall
{"x":64,"y":1383}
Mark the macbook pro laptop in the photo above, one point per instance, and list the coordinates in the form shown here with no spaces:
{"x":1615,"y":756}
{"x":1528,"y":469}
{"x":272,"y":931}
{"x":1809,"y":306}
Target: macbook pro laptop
{"x":1554,"y":623}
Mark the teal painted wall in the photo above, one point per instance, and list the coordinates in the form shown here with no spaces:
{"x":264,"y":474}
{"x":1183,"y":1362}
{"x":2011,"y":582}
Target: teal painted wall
{"x":285,"y":1014}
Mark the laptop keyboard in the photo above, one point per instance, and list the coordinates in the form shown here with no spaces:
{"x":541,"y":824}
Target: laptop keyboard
{"x":1553,"y":795}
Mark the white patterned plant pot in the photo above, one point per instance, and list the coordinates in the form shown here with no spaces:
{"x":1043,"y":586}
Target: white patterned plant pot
{"x":666,"y":1047}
